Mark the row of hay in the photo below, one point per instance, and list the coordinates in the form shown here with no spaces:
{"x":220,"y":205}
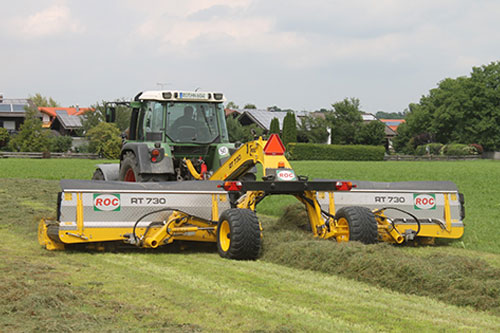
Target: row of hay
{"x":452,"y":279}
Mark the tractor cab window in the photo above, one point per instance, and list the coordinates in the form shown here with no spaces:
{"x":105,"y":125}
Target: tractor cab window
{"x":154,"y":121}
{"x":192,"y":122}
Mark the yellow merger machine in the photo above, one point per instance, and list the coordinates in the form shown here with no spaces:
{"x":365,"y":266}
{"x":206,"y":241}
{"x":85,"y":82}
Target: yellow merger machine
{"x":179,"y":178}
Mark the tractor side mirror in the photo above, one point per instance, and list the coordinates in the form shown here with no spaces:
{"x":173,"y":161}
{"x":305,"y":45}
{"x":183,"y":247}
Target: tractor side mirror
{"x":110,"y":115}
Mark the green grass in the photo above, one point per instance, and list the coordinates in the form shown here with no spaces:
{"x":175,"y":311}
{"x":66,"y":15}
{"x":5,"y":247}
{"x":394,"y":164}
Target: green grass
{"x":190,"y":291}
{"x":48,"y":168}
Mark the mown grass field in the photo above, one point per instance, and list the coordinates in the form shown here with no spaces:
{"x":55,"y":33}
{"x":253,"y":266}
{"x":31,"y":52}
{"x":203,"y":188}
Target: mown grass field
{"x":300,"y":284}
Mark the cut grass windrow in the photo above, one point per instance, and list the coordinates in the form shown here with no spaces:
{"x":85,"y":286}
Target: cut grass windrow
{"x":454,"y":279}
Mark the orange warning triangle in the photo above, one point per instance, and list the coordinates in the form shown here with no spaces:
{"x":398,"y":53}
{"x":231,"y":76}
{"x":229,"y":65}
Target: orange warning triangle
{"x":274,"y":146}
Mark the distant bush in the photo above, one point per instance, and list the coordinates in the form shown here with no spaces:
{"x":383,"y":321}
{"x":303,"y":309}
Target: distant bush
{"x":4,"y":137}
{"x":430,"y":148}
{"x":477,"y":147}
{"x":457,"y":149}
{"x":311,"y":151}
{"x":32,"y":137}
{"x":83,"y":148}
{"x":60,"y":144}
{"x":105,"y":140}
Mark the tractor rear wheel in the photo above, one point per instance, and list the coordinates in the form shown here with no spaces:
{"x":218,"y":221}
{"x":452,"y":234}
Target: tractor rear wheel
{"x":360,"y":222}
{"x":238,"y":234}
{"x":129,"y":168}
{"x":129,"y":171}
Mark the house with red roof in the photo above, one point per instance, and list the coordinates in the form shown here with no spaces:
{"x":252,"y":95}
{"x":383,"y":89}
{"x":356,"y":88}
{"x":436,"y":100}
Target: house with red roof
{"x":63,"y":120}
{"x":392,"y":123}
{"x":49,"y":114}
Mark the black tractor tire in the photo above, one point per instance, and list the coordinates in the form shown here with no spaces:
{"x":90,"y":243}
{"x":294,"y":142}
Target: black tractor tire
{"x":129,"y":168}
{"x":98,"y":175}
{"x":362,"y":224}
{"x":238,"y":234}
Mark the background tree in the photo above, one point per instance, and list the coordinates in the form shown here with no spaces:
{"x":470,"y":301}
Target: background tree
{"x":252,"y":132}
{"x":371,"y":133}
{"x":312,"y":129}
{"x":104,"y":139}
{"x":275,"y":126}
{"x":249,"y":107}
{"x":401,"y":142}
{"x":96,"y":115}
{"x":232,"y":105}
{"x":344,"y":121}
{"x":235,"y":130}
{"x":273,"y":108}
{"x":31,"y":136}
{"x":463,"y":110}
{"x":390,"y":115}
{"x":289,"y":128}
{"x":41,"y":101}
{"x":92,"y":118}
{"x":60,"y":144}
{"x":4,"y":137}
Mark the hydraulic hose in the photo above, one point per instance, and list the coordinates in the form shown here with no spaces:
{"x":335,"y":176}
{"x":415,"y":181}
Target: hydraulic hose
{"x":403,"y":211}
{"x":159,"y":211}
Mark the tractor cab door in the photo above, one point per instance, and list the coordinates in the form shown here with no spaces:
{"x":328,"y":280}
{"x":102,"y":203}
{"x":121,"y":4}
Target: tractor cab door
{"x":152,"y":118}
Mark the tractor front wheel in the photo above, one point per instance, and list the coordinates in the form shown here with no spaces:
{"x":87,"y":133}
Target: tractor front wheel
{"x":238,"y":234}
{"x":357,"y":224}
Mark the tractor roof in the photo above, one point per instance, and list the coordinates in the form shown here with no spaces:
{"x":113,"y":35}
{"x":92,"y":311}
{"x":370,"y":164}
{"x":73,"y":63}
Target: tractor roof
{"x":176,"y":95}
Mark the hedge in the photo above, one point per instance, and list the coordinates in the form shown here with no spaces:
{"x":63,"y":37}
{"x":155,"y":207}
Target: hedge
{"x":458,"y":149}
{"x":313,"y":151}
{"x":430,"y":148}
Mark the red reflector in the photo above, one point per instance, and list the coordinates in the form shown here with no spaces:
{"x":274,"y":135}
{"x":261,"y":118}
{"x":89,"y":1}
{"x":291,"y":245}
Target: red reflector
{"x":155,"y":152}
{"x":344,"y":186}
{"x":232,"y":186}
{"x":153,"y":159}
{"x":274,"y":146}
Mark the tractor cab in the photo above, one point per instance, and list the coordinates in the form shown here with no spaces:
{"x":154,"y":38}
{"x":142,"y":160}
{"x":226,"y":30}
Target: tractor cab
{"x":184,"y":125}
{"x":175,"y":117}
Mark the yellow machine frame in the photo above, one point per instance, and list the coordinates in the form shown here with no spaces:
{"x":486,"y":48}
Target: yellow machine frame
{"x":181,"y":226}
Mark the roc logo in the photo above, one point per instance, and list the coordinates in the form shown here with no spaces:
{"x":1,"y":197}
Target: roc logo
{"x":107,"y":202}
{"x":285,"y":175}
{"x":424,"y":201}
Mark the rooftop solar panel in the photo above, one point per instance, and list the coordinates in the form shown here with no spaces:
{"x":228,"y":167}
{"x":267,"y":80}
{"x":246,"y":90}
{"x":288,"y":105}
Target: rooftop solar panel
{"x":68,"y":121}
{"x":18,"y":107}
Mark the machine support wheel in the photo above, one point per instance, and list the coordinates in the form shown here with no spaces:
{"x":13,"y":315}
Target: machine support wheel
{"x":238,"y":234}
{"x":362,"y":225}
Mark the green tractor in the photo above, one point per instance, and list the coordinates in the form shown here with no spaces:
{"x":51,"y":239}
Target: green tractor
{"x":173,"y":135}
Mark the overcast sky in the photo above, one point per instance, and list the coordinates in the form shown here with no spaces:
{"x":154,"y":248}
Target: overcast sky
{"x":303,"y":55}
